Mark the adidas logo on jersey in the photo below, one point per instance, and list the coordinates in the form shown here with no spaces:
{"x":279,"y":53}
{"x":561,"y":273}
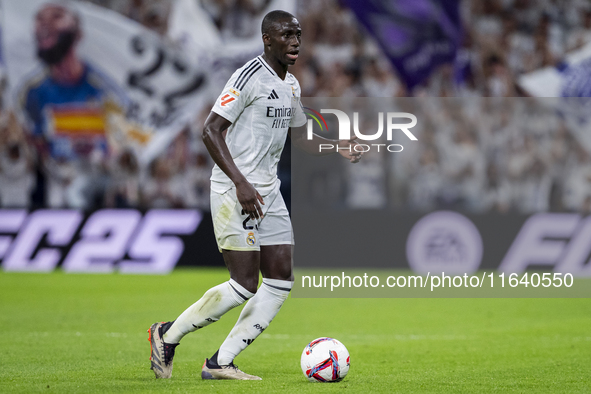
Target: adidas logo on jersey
{"x":273,"y":95}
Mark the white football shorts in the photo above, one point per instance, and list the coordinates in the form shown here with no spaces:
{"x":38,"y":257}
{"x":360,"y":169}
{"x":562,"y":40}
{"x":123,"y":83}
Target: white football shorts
{"x":235,"y":231}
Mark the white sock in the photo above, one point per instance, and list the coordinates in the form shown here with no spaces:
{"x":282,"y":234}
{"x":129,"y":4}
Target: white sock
{"x":255,"y":318}
{"x":214,"y":303}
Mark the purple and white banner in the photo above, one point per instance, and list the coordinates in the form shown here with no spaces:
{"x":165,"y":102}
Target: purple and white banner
{"x":416,"y":35}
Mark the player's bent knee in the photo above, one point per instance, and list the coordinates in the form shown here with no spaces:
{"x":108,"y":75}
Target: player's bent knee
{"x":251,"y":284}
{"x":278,"y":272}
{"x":282,"y":275}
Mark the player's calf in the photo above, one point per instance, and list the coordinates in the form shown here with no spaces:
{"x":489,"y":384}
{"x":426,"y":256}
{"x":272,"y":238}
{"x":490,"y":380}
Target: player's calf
{"x":255,"y":318}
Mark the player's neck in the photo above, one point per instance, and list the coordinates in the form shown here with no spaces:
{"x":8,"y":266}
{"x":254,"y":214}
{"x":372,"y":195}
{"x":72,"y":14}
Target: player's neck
{"x":69,"y":70}
{"x":280,"y":69}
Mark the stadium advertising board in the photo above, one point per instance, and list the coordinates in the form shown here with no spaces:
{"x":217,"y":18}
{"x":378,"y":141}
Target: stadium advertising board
{"x":446,"y":241}
{"x":154,"y":242}
{"x":104,"y":241}
{"x":450,"y":254}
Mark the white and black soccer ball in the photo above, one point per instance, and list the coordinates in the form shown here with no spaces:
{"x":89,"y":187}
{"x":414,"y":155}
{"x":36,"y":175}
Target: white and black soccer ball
{"x":325,"y":360}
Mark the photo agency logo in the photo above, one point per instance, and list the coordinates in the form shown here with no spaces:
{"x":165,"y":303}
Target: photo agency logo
{"x":391,"y":119}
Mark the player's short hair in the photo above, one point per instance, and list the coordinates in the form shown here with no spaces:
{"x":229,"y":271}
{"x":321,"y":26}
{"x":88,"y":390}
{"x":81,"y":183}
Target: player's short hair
{"x":272,"y":17}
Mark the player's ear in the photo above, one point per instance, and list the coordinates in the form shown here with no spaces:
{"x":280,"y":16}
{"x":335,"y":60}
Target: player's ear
{"x":266,"y":39}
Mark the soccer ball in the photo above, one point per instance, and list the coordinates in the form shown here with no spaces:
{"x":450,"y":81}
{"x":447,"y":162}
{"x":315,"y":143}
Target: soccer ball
{"x":325,"y":360}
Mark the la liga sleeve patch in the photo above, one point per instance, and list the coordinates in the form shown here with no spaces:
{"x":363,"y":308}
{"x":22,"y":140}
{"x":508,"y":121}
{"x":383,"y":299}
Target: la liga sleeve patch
{"x":226,"y":99}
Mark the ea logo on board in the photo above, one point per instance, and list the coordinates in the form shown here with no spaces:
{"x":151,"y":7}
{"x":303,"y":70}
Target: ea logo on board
{"x":444,"y":241}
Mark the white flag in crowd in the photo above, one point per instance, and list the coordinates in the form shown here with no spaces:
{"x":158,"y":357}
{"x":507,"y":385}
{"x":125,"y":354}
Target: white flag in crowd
{"x":550,"y":81}
{"x":571,"y":84}
{"x":227,"y":48}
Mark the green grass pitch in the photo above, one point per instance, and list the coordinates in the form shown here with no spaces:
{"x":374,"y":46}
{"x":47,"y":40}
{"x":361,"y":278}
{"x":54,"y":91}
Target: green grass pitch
{"x":87,"y":333}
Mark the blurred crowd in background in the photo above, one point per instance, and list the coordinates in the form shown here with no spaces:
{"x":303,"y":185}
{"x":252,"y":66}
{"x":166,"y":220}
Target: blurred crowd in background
{"x":515,"y":157}
{"x":478,"y":155}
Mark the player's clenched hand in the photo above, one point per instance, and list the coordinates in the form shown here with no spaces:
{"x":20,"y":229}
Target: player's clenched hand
{"x":347,"y":150}
{"x":249,"y":199}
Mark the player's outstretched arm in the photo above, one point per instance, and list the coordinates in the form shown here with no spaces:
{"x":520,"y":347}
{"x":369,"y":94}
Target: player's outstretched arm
{"x":320,"y":146}
{"x":214,"y":141}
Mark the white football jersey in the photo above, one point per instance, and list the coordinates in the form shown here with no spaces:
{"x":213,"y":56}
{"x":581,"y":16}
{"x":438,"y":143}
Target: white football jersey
{"x":261,"y":107}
